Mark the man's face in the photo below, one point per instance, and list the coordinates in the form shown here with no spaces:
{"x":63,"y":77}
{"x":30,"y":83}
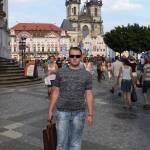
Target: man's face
{"x":75,"y":58}
{"x":52,"y":58}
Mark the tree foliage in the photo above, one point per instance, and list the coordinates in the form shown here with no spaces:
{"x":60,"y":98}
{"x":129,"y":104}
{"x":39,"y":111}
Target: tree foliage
{"x":128,"y":38}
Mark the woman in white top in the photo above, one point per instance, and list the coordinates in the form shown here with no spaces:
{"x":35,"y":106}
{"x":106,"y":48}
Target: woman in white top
{"x":52,"y":69}
{"x":88,"y":64}
{"x":109,"y":70}
{"x":126,"y":82}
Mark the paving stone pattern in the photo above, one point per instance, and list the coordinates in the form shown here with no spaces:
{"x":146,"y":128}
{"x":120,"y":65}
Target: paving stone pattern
{"x":23,"y":115}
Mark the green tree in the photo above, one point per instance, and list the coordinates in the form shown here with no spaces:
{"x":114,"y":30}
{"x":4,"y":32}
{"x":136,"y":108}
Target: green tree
{"x":128,"y":38}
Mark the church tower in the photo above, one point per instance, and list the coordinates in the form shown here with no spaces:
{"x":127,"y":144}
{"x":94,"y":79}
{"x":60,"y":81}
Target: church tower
{"x":84,"y":24}
{"x":73,"y":9}
{"x":94,"y":7}
{"x":94,"y":10}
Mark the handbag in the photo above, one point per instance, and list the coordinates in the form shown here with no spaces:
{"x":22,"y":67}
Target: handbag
{"x":133,"y":95}
{"x":50,"y":137}
{"x":47,"y":81}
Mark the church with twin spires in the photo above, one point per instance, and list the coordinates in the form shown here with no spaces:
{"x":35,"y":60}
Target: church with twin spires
{"x":84,"y":24}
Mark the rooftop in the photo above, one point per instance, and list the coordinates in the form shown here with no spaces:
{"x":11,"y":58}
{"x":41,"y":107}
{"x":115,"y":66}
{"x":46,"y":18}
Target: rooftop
{"x":36,"y":26}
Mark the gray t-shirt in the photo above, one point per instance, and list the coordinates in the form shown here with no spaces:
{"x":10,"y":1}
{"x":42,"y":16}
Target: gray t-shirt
{"x":72,"y":84}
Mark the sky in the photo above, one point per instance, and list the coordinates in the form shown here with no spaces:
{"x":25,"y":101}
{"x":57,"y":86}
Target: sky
{"x":114,"y":12}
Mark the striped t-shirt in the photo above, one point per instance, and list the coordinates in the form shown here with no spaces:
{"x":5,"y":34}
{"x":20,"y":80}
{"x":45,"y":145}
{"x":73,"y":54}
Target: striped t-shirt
{"x":72,"y":85}
{"x":147,"y":72}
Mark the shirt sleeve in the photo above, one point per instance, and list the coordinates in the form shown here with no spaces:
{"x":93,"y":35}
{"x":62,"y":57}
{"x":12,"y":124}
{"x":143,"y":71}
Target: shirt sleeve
{"x":88,"y":84}
{"x":57,"y":80}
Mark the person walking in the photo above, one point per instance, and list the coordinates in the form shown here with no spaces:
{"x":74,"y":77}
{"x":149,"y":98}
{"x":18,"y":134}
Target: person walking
{"x":146,"y":82}
{"x":51,"y":71}
{"x":99,"y":71}
{"x":88,"y":65}
{"x":115,"y":72}
{"x":126,"y":83}
{"x":72,"y":92}
{"x":109,"y":70}
{"x":133,"y":66}
{"x":103,"y":68}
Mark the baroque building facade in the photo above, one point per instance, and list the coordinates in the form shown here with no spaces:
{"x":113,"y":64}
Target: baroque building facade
{"x":4,"y":32}
{"x":85,"y":26}
{"x":41,"y":40}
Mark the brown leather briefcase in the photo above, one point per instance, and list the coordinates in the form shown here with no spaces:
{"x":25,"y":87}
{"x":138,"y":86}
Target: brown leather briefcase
{"x":50,"y":137}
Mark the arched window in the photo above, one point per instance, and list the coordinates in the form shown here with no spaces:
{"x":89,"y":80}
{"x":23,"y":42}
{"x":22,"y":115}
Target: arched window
{"x":74,"y":11}
{"x":95,"y":11}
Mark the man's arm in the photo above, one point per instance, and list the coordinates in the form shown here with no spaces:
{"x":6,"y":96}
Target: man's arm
{"x":89,"y":100}
{"x":120,"y":71}
{"x":52,"y":101}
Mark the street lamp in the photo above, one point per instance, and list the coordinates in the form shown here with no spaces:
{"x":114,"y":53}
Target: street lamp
{"x":22,"y":47}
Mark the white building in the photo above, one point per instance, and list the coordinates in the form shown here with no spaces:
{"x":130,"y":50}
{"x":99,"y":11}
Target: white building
{"x":4,"y":32}
{"x":94,"y":46}
{"x":42,"y":39}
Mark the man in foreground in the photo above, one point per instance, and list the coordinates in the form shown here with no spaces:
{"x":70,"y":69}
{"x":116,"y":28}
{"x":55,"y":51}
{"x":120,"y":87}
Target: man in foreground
{"x":72,"y":92}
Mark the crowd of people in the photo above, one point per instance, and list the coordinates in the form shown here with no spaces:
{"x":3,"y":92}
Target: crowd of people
{"x":127,"y":73}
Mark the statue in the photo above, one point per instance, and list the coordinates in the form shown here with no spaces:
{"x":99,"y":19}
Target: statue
{"x":1,"y":5}
{"x":2,"y":13}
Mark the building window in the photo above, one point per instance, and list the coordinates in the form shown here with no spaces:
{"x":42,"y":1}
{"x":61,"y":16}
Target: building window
{"x":48,"y":49}
{"x":34,"y":49}
{"x":14,"y":49}
{"x":56,"y":49}
{"x":42,"y":49}
{"x":29,"y":49}
{"x":38,"y":49}
{"x":74,"y":11}
{"x":96,"y":12}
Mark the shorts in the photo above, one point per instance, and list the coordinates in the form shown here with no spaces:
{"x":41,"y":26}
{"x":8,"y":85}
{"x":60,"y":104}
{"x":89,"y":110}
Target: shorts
{"x":126,"y":85}
{"x":146,"y":86}
{"x":52,"y":83}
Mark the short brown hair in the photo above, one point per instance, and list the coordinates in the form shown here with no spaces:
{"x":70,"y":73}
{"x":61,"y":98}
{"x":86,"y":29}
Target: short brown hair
{"x":75,"y":48}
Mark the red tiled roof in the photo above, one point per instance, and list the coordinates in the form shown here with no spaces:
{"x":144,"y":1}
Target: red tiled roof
{"x":36,"y":26}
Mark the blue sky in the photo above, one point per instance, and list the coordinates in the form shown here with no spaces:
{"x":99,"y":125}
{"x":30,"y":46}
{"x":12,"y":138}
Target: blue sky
{"x":114,"y":12}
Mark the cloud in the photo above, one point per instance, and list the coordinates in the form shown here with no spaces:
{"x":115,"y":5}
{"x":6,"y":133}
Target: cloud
{"x":23,"y":1}
{"x":20,"y":1}
{"x":123,"y":5}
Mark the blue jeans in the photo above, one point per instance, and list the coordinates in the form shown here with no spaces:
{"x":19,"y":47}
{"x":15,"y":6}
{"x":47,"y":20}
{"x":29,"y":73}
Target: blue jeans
{"x":69,"y":129}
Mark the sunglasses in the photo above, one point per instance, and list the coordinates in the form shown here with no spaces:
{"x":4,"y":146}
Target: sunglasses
{"x":74,"y":56}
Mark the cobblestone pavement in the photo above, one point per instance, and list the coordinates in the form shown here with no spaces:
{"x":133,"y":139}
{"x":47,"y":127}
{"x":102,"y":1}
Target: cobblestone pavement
{"x":23,"y":115}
